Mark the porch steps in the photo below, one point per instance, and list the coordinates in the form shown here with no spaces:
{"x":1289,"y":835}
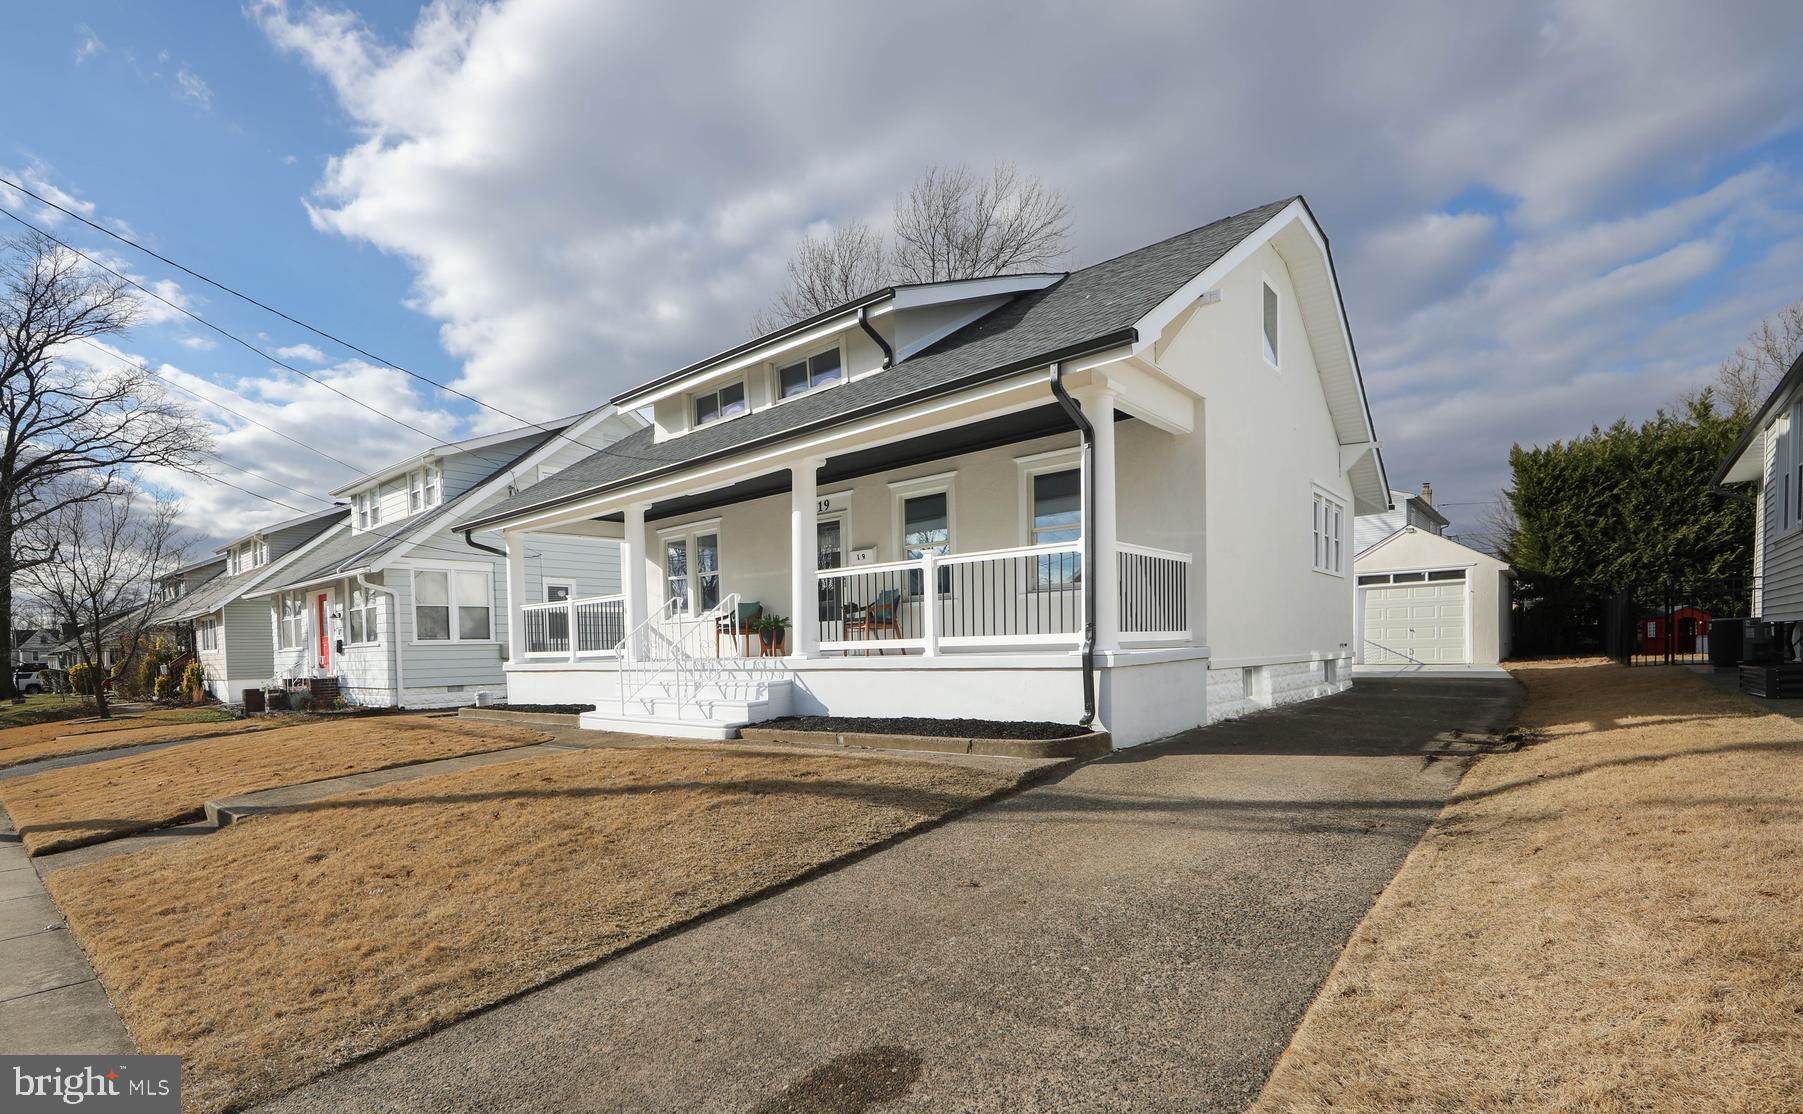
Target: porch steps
{"x":659,"y":713}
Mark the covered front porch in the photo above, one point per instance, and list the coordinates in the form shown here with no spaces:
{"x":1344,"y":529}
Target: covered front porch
{"x":922,"y":568}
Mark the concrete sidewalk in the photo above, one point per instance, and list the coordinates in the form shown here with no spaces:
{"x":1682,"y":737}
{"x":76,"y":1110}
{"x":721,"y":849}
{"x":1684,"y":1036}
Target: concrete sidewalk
{"x":1142,"y":933}
{"x":50,"y":1001}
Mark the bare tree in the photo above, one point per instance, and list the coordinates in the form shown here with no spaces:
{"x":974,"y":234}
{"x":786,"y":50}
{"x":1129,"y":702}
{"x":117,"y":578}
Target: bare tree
{"x":1745,"y":378}
{"x":953,"y":225}
{"x":828,"y":271}
{"x":107,"y":550}
{"x":1496,"y":526}
{"x":69,"y":433}
{"x":950,"y":224}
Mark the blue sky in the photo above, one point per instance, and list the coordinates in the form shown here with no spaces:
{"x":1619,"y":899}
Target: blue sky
{"x":1544,"y":216}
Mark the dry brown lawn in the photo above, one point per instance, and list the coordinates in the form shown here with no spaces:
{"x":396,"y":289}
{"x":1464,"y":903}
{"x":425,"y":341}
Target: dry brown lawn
{"x":60,"y":809}
{"x":19,"y":745}
{"x":1608,"y":920}
{"x":293,"y":942}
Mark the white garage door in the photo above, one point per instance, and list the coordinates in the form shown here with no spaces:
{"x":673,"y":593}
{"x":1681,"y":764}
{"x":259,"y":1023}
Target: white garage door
{"x":1415,"y":617}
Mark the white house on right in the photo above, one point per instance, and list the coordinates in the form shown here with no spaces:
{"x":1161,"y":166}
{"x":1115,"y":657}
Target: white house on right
{"x":1422,"y":598}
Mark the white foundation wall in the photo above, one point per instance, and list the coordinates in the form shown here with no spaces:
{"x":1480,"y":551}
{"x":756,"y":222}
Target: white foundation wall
{"x":1236,"y":691}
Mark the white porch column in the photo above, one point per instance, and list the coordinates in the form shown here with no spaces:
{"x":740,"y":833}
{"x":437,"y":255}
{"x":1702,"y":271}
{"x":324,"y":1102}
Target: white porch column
{"x":633,"y":558}
{"x":1098,"y":407}
{"x":804,"y":557}
{"x":516,"y":595}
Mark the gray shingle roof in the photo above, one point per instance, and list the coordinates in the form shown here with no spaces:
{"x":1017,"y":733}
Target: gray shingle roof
{"x":354,"y":552}
{"x":1090,"y":305}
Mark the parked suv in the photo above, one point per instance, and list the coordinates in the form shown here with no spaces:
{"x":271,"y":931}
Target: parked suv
{"x":29,"y":679}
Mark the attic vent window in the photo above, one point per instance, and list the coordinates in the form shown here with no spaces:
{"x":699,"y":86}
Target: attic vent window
{"x":815,"y":371}
{"x":1270,"y":324}
{"x":727,"y":402}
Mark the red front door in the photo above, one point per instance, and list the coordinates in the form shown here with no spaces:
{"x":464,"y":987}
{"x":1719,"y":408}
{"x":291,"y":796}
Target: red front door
{"x":325,"y":635}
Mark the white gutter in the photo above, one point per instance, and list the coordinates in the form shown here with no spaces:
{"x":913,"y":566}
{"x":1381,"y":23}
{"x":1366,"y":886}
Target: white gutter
{"x":400,"y":660}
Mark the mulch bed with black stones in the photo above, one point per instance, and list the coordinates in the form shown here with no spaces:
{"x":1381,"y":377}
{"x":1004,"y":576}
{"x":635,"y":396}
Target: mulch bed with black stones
{"x":921,"y":725}
{"x":545,"y":709}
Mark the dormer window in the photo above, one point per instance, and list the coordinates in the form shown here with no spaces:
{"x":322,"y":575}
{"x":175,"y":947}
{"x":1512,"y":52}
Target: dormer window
{"x":369,"y":509}
{"x":727,"y":402}
{"x":816,"y":371}
{"x":422,"y":489}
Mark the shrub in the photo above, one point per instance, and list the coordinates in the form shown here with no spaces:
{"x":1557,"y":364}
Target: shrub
{"x":82,"y":678}
{"x":164,"y":687}
{"x":194,"y":682}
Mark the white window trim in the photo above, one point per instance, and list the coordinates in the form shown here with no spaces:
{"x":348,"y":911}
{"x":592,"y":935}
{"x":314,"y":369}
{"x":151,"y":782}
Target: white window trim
{"x":692,"y":397}
{"x":1322,"y":499}
{"x":372,"y":615}
{"x":777,"y":364}
{"x":900,"y":491}
{"x":1033,"y":465}
{"x":688,"y":532}
{"x":551,"y":582}
{"x":282,"y":621}
{"x":1271,"y":349}
{"x":451,"y":569}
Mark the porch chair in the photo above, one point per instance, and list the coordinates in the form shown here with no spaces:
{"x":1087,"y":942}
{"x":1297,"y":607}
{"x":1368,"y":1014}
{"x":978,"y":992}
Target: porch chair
{"x":881,"y":614}
{"x":747,"y":613}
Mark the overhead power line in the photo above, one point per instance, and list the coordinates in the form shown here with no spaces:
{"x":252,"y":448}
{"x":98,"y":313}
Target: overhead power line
{"x":231,"y":336}
{"x":267,"y":308}
{"x":222,"y":406}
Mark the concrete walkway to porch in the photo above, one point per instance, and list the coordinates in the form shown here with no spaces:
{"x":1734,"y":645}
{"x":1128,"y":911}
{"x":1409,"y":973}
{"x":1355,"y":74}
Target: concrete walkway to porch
{"x":1143,"y":932}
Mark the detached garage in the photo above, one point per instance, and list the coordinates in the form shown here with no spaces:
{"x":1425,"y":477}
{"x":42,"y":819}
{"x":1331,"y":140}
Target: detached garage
{"x":1426,"y":600}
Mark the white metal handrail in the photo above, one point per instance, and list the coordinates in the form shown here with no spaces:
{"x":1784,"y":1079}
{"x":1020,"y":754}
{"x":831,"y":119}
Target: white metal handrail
{"x":590,"y":627}
{"x":672,"y":649}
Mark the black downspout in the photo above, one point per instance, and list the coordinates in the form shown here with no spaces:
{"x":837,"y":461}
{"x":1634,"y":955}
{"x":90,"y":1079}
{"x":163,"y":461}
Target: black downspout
{"x":1088,"y":513}
{"x":864,"y":323}
{"x":474,"y":544}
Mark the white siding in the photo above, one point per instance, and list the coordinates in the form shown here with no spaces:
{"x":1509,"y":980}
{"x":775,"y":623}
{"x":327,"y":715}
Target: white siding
{"x":1779,"y":560}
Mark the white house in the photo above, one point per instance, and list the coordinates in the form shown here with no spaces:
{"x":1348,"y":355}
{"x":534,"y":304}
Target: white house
{"x":401,"y":604}
{"x":231,"y":633}
{"x":32,"y":647}
{"x":1123,"y":493}
{"x":1769,"y":455}
{"x":1424,"y":599}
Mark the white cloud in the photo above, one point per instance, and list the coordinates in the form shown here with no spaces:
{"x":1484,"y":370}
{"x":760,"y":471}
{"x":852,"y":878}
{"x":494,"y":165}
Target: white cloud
{"x":582,"y":214}
{"x":197,"y":343}
{"x":192,"y":88}
{"x":87,"y":44}
{"x":302,"y":351}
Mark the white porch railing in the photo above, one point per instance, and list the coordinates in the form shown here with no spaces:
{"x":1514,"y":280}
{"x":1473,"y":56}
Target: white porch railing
{"x":572,"y":629}
{"x":1154,"y":593}
{"x":1029,"y":596}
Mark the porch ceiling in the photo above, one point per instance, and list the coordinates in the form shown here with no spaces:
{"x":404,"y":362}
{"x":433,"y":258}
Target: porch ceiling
{"x":1004,"y":429}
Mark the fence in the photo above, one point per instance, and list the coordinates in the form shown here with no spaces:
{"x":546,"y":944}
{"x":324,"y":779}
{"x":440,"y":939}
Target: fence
{"x":1679,"y":622}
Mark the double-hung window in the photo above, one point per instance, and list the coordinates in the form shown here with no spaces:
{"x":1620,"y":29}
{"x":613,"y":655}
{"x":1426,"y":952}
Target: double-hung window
{"x":363,"y":616}
{"x":369,"y":509}
{"x":209,"y":634}
{"x":422,"y":489}
{"x":293,"y":621}
{"x":1057,"y":517}
{"x":805,"y":375}
{"x":727,"y":402}
{"x":926,"y":528}
{"x":451,"y":605}
{"x":1329,"y":534}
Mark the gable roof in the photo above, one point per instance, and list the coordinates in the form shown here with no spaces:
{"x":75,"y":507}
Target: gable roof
{"x":539,"y":433}
{"x":1456,"y":552}
{"x":1088,"y":310}
{"x":333,"y":511}
{"x":221,"y":590}
{"x":1742,"y":465}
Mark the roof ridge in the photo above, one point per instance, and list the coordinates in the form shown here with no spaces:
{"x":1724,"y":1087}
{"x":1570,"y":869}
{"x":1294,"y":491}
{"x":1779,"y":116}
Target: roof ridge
{"x":1279,"y":204}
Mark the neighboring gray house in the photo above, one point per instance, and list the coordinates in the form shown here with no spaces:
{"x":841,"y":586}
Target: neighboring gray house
{"x":231,"y":633}
{"x":399,"y":605}
{"x":33,"y":647}
{"x":1405,"y":510}
{"x":1769,"y":455}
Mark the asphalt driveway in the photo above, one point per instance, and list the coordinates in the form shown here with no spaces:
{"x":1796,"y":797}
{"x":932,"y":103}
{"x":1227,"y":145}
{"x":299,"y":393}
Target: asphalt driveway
{"x":1143,"y":933}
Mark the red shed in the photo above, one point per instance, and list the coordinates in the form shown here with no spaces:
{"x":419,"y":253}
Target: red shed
{"x":1689,"y":627}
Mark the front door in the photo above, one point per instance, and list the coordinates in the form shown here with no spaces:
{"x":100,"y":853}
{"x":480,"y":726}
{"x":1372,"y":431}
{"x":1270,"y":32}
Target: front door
{"x":829,"y":546}
{"x":322,"y":612}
